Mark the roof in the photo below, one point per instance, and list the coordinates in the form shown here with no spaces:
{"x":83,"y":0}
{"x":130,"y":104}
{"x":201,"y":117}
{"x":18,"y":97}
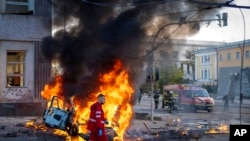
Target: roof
{"x":224,"y":46}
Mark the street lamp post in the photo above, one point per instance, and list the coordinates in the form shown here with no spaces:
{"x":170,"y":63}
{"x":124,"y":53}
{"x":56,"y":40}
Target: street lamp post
{"x":242,"y":58}
{"x":152,"y":93}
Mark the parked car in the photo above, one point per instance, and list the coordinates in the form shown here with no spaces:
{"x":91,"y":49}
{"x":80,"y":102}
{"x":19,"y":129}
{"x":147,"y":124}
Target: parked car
{"x":192,"y":97}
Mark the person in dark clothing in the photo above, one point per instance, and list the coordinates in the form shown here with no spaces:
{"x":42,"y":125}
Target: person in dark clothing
{"x":140,"y":95}
{"x":156,"y":98}
{"x":226,"y":101}
{"x":241,"y":98}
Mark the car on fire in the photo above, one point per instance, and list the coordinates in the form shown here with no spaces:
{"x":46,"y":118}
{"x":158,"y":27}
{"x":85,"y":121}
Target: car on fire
{"x":192,"y":97}
{"x":59,"y":115}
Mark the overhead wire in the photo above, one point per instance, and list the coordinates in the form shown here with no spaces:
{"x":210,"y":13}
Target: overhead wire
{"x":165,"y":38}
{"x":211,"y":6}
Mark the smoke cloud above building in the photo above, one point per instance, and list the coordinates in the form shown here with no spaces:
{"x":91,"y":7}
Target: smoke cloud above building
{"x":92,"y":35}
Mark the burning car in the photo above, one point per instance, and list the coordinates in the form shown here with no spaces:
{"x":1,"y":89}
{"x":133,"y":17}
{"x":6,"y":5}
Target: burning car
{"x":59,"y":115}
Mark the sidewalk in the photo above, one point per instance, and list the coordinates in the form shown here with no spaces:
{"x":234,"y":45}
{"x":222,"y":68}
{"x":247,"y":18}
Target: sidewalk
{"x":236,"y":103}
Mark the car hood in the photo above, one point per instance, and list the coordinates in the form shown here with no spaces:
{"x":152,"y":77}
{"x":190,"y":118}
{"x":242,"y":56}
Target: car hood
{"x":205,"y":99}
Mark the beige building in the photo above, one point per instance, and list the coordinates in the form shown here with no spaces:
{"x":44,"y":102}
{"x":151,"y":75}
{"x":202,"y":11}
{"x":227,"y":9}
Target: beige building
{"x":222,"y":65}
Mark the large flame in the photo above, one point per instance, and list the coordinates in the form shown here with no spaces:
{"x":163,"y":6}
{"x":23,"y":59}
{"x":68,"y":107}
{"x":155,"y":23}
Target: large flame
{"x":118,"y":91}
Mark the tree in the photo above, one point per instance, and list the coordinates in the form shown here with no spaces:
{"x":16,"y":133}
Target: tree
{"x":170,"y":75}
{"x":191,"y":57}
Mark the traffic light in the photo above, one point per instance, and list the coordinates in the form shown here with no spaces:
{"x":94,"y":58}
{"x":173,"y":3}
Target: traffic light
{"x":157,"y":74}
{"x":222,"y":20}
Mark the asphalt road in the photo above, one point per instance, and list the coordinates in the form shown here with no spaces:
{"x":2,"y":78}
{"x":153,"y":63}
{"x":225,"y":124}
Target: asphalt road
{"x":233,"y":115}
{"x":13,"y":128}
{"x":236,"y":114}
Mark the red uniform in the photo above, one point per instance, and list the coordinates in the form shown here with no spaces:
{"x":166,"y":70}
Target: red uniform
{"x":96,"y":121}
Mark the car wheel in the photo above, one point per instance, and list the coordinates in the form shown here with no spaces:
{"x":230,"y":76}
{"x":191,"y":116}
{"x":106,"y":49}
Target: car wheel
{"x":209,"y":110}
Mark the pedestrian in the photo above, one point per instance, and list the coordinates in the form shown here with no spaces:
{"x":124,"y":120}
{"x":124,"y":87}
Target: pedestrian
{"x":97,"y":120}
{"x":140,"y":95}
{"x":241,"y":98}
{"x":156,"y":98}
{"x":226,"y":101}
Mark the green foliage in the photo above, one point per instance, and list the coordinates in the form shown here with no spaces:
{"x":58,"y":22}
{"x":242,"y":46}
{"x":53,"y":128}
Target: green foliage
{"x":170,"y":75}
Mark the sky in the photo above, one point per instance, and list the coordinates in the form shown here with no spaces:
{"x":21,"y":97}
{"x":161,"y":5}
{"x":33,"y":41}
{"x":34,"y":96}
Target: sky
{"x":231,"y":33}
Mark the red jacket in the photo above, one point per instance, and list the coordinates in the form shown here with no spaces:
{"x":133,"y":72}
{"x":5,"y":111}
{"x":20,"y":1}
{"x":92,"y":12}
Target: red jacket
{"x":96,"y":118}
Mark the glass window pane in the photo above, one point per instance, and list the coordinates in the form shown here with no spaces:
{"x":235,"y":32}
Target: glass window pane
{"x":247,"y":54}
{"x":16,"y":57}
{"x":15,"y":67}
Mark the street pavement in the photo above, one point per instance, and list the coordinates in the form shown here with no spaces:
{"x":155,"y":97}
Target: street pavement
{"x":142,"y":126}
{"x":160,"y":119}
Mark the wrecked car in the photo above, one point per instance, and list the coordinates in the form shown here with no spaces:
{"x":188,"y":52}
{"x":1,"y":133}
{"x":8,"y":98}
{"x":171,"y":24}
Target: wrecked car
{"x":59,"y":115}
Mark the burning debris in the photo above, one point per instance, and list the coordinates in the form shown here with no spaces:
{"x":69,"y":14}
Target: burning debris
{"x":178,"y":132}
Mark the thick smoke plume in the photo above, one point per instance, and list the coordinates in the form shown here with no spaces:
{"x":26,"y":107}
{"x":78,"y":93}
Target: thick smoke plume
{"x":100,"y":34}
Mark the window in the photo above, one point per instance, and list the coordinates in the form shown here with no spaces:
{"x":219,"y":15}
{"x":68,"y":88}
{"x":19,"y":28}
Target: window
{"x":208,"y":59}
{"x":237,"y":56}
{"x":182,"y":68}
{"x":247,"y":54}
{"x":205,"y":59}
{"x":17,"y":6}
{"x":220,"y":57}
{"x":15,"y":68}
{"x":228,"y":56}
{"x":202,"y":74}
{"x":205,"y":74}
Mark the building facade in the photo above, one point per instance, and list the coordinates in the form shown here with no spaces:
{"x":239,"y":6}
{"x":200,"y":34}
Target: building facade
{"x":173,"y":52}
{"x":24,"y":72}
{"x":206,"y":66}
{"x":227,"y":66}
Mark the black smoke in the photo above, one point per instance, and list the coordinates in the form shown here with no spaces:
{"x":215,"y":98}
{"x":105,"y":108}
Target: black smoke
{"x":102,"y":36}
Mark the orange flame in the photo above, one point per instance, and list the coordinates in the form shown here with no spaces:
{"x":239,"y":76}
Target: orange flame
{"x":118,"y":91}
{"x":222,"y":128}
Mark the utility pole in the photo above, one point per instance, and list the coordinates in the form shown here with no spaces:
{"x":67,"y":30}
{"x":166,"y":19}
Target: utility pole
{"x":152,"y":91}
